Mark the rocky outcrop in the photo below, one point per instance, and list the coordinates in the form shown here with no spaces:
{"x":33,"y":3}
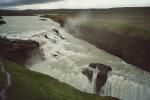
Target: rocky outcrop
{"x":101,"y":76}
{"x":88,"y":73}
{"x":1,"y":21}
{"x":17,"y":50}
{"x":101,"y":67}
{"x":43,"y":19}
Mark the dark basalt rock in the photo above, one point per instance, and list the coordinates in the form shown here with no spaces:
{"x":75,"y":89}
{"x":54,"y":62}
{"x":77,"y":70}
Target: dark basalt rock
{"x":17,"y":50}
{"x":100,"y":81}
{"x":62,"y":23}
{"x":43,"y":19}
{"x":93,"y":65}
{"x":101,"y":76}
{"x":55,"y":30}
{"x":101,"y":67}
{"x":88,"y":73}
{"x":57,"y":33}
{"x":46,"y":37}
{"x":2,"y":22}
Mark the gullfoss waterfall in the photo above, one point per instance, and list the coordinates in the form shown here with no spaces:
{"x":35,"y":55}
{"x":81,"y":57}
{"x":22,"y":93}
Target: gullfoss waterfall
{"x":66,"y":58}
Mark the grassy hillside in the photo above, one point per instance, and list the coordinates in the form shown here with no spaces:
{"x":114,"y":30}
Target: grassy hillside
{"x":29,"y":85}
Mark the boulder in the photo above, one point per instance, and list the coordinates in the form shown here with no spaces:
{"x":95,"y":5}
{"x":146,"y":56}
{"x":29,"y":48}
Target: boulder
{"x":17,"y":50}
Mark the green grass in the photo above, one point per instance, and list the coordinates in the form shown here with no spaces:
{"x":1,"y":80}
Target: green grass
{"x":29,"y":85}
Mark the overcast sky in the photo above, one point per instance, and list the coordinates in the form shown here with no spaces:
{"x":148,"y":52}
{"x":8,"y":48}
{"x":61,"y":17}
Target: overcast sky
{"x":57,"y":4}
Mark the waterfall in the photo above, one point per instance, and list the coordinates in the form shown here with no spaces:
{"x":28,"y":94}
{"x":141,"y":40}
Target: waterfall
{"x":93,"y":82}
{"x":125,"y":89}
{"x":66,"y":58}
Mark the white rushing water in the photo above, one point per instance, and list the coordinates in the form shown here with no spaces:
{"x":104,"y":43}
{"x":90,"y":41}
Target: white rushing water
{"x":118,"y":86}
{"x":66,"y":58}
{"x":93,"y":81}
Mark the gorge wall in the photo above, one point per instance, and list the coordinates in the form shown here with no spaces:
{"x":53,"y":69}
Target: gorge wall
{"x":131,"y":49}
{"x":17,"y":50}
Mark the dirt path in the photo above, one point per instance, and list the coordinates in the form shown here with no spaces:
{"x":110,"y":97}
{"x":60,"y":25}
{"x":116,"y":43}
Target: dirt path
{"x":3,"y":93}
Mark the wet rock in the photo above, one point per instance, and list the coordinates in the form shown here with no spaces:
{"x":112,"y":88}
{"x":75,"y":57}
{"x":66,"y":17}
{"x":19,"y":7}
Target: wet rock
{"x":93,"y":65}
{"x":88,"y":73}
{"x":47,"y":37}
{"x":101,"y":76}
{"x":100,"y":66}
{"x":62,"y":23}
{"x":55,"y":30}
{"x":43,"y":19}
{"x":100,"y":80}
{"x":2,"y":22}
{"x":17,"y":50}
{"x":57,"y":33}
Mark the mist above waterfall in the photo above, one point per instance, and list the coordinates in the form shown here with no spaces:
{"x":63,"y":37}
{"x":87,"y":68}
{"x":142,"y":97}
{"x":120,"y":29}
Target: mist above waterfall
{"x":72,"y":24}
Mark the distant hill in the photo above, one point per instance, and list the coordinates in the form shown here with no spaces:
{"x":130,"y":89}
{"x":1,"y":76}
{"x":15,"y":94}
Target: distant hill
{"x":126,"y":10}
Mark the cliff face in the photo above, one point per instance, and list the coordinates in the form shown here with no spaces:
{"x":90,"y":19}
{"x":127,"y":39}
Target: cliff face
{"x":133,"y":50}
{"x":17,"y":50}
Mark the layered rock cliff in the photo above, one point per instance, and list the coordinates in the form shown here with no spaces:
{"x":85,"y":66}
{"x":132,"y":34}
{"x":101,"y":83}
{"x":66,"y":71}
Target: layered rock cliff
{"x":17,"y":50}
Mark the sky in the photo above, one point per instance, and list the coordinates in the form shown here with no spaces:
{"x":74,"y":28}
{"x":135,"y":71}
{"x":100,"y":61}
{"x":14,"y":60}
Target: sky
{"x":72,"y":4}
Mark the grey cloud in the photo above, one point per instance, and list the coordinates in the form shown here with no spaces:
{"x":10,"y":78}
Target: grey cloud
{"x":6,"y":3}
